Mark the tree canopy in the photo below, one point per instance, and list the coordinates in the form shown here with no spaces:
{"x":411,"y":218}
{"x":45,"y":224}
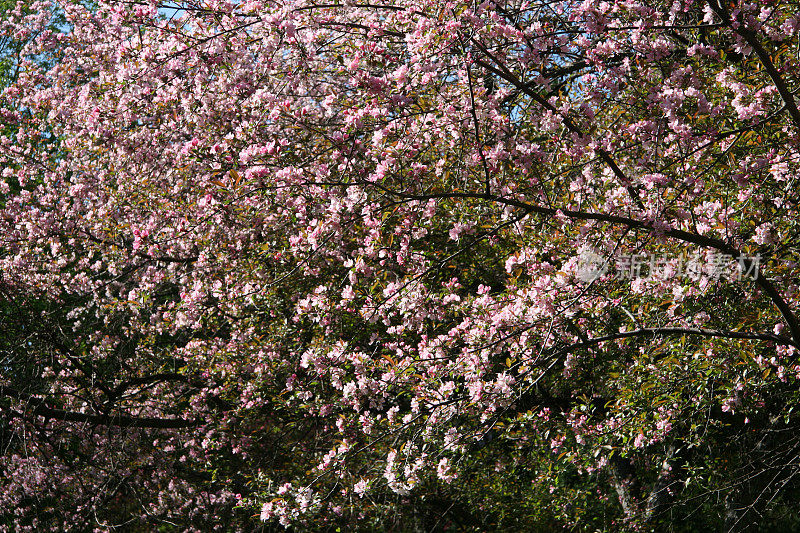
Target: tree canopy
{"x":522,"y":265}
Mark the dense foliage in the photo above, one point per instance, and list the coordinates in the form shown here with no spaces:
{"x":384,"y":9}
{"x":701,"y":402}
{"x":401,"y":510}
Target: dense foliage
{"x":521,"y":265}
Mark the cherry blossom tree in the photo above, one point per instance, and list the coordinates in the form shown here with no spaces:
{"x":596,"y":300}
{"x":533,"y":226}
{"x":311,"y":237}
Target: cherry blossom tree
{"x":517,"y":265}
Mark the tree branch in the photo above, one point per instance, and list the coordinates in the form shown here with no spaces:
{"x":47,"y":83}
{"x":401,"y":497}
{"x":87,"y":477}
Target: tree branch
{"x":503,"y":72}
{"x":751,"y":38}
{"x":46,"y":411}
{"x":682,"y":235}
